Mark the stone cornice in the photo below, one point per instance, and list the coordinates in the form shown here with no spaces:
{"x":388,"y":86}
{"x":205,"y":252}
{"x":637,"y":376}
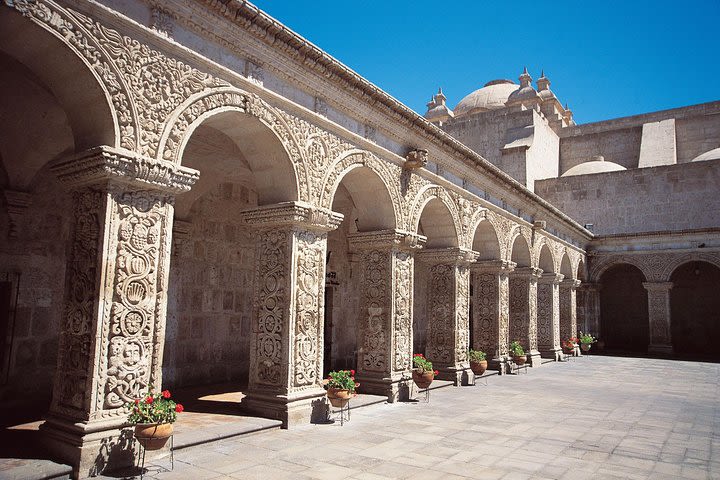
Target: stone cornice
{"x":454,"y":256}
{"x":105,"y":164}
{"x":385,"y":239}
{"x":530,"y":273}
{"x":657,"y":286}
{"x":554,"y":278}
{"x":292,"y":214}
{"x":570,"y":283}
{"x":500,"y":267}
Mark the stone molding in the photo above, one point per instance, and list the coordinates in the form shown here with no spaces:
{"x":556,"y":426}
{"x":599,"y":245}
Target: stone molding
{"x":553,"y":278}
{"x":530,"y":273}
{"x":107,"y":164}
{"x":385,"y":239}
{"x":658,"y":286}
{"x":292,"y":214}
{"x":452,"y":256}
{"x":570,"y":283}
{"x":17,"y":204}
{"x":499,"y":267}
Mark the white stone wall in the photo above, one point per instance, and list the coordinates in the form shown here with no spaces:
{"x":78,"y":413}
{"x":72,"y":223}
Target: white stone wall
{"x":675,"y":197}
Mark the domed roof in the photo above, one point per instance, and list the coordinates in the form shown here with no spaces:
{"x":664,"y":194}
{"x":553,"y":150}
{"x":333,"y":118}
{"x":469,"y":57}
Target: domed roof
{"x":711,"y":155}
{"x":490,"y":97}
{"x":596,"y":165}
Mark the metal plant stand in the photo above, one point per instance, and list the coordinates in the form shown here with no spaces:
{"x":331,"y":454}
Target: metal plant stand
{"x":343,"y":411}
{"x":141,"y":456}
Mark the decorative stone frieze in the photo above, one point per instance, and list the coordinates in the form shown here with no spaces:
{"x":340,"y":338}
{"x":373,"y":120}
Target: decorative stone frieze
{"x":286,"y":351}
{"x":385,"y":316}
{"x":523,"y":310}
{"x":659,"y":316}
{"x":568,"y":309}
{"x":491,"y":303}
{"x":548,"y":315}
{"x":448,"y":311}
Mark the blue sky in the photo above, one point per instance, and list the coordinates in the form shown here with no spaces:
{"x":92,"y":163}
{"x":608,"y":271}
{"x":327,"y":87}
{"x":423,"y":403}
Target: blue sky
{"x":606,"y":59}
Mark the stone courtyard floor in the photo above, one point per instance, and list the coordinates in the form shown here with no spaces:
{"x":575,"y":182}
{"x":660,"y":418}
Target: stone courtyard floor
{"x":595,"y":417}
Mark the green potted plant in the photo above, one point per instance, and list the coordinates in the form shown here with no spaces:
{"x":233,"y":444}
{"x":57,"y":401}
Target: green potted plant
{"x":341,"y":387}
{"x":586,"y":341}
{"x":517,"y":353}
{"x":478,"y":362}
{"x":153,"y":415}
{"x":423,"y":373}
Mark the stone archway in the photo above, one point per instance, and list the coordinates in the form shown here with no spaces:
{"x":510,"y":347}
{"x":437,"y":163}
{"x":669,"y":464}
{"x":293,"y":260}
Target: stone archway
{"x":695,"y":309}
{"x":624,"y":309}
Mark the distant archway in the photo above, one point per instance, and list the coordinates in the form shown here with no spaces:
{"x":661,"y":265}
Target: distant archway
{"x":695,"y":309}
{"x":624,"y":309}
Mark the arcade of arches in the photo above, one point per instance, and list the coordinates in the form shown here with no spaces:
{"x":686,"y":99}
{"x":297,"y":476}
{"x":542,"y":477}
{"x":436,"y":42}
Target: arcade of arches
{"x":167,"y":226}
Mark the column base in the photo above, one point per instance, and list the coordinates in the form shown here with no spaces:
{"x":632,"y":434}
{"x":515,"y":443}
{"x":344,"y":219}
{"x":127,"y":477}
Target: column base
{"x":89,"y":447}
{"x":661,"y":349}
{"x":551,"y":352}
{"x":534,"y":358}
{"x":297,"y":408}
{"x":396,"y":387}
{"x":460,"y":374}
{"x":500,"y":364}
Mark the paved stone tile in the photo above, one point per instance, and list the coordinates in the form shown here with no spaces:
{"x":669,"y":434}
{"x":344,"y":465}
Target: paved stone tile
{"x":615,"y":418}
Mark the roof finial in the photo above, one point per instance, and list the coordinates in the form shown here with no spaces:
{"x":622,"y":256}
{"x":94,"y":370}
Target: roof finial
{"x":525,"y":78}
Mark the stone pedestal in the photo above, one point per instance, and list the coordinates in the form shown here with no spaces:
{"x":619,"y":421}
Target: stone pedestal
{"x":448,"y":312}
{"x":523,"y":311}
{"x":491,"y":317}
{"x":659,"y":317}
{"x":113,"y":322}
{"x":286,"y":352}
{"x":385,"y":312}
{"x":568,"y":310}
{"x":548,"y":315}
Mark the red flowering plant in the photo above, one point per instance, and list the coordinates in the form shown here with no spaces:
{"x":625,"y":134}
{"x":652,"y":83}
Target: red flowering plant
{"x":422,"y":364}
{"x":153,"y":408}
{"x":342,"y":379}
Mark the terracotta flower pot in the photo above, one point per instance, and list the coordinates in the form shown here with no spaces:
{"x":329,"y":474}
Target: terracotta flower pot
{"x":520,"y":359}
{"x":585,"y":346}
{"x":478,"y":368}
{"x":153,"y":436}
{"x":341,"y":393}
{"x":422,"y":380}
{"x":568,"y":350}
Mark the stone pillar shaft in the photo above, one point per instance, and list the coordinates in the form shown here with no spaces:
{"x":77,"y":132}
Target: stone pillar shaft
{"x":548,"y":315}
{"x":286,"y":343}
{"x":113,"y":324}
{"x":568,"y":310}
{"x":591,"y":307}
{"x":491,"y":332}
{"x":385,"y":311}
{"x":448,"y":312}
{"x":659,"y":316}
{"x":523,"y":311}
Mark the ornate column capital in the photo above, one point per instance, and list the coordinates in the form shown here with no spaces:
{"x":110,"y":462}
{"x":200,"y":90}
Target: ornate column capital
{"x":103,"y":165}
{"x":292,"y":214}
{"x":454,"y":256}
{"x":499,"y":267}
{"x":530,"y":273}
{"x":657,"y":286}
{"x":386,"y":239}
{"x":592,"y":287}
{"x":570,"y":283}
{"x":554,"y":278}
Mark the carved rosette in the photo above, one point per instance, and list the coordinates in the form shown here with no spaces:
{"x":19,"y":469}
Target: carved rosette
{"x":448,"y":305}
{"x":286,"y":341}
{"x":659,"y":313}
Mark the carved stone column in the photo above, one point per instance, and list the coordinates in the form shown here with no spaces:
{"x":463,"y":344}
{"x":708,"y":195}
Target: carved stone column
{"x":568,"y":310}
{"x":548,"y":315}
{"x":590,"y":304}
{"x":286,"y":343}
{"x":385,"y":311}
{"x":448,"y":312}
{"x":491,"y":316}
{"x":523,"y":311}
{"x":113,"y":322}
{"x":659,"y":316}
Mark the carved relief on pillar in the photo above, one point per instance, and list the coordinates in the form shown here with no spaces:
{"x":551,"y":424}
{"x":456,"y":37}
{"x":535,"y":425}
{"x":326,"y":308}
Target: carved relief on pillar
{"x":403,"y":282}
{"x":462,"y":311}
{"x":78,"y":312}
{"x":523,"y":306}
{"x":548,"y":316}
{"x":112,"y":338}
{"x":490,"y":306}
{"x":375,"y":312}
{"x":659,"y":313}
{"x":568,"y":308}
{"x":286,"y":340}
